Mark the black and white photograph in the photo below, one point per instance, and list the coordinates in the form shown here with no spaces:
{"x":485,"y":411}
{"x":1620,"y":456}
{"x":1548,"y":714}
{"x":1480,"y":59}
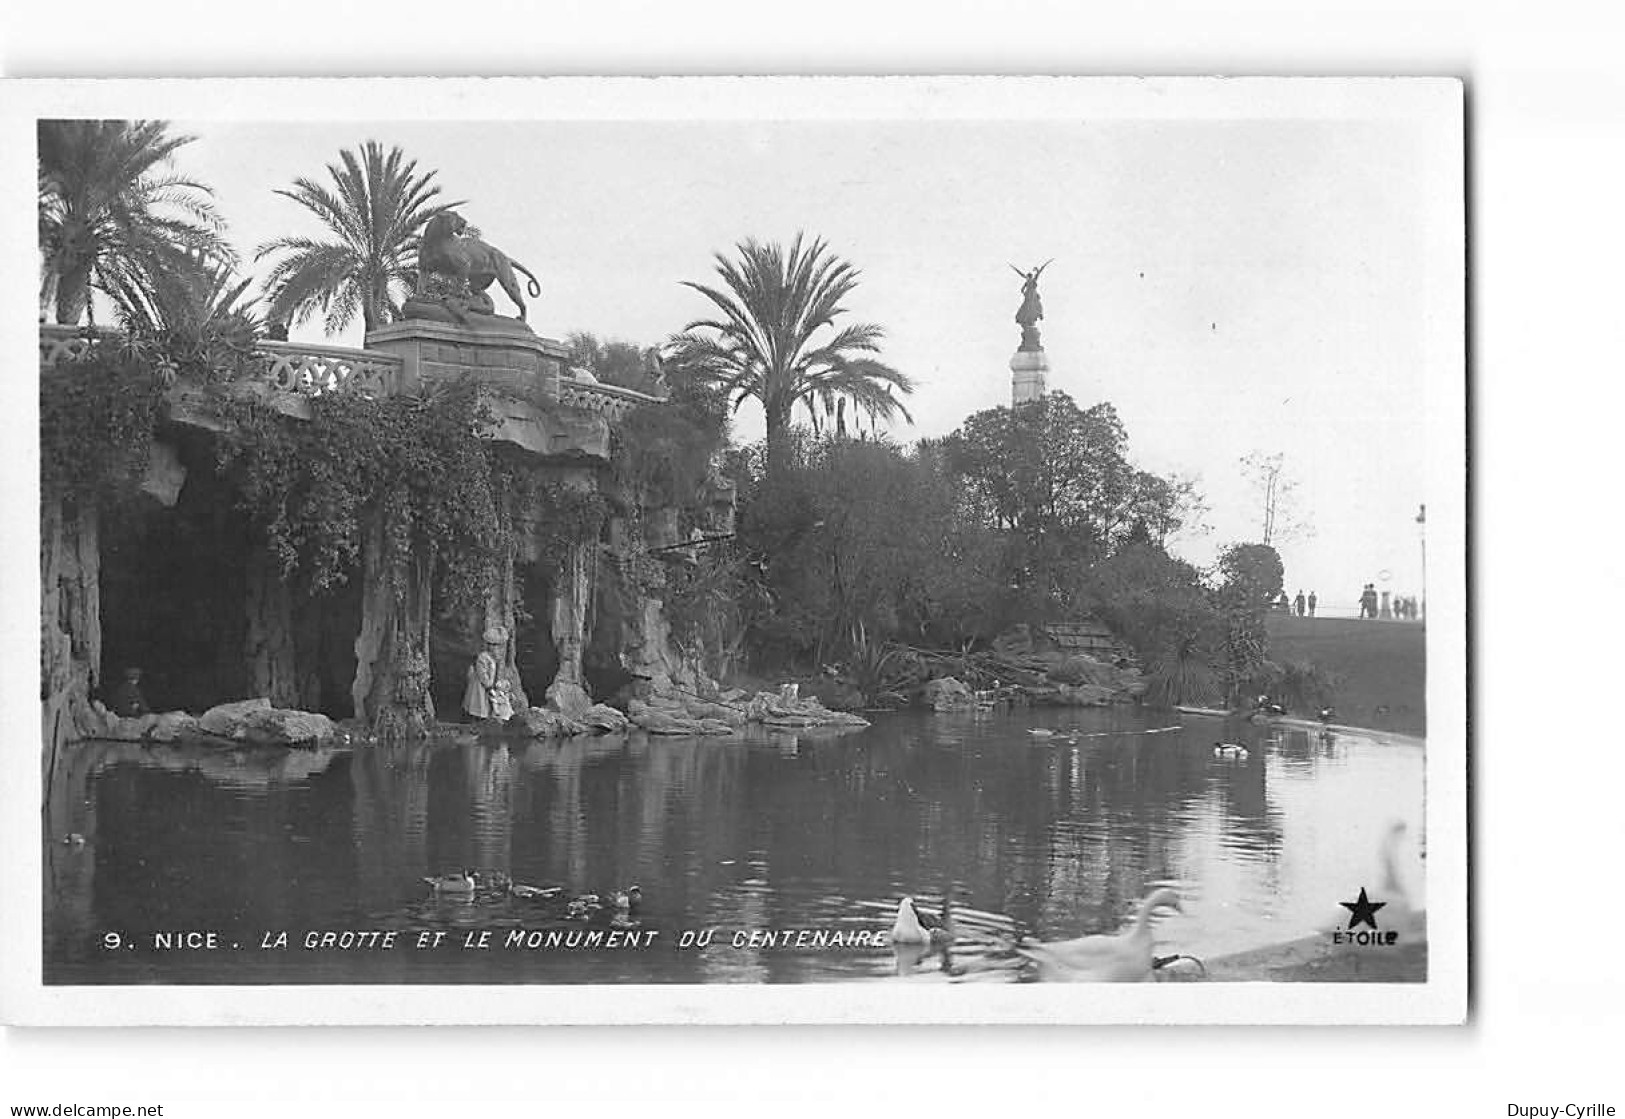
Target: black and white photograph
{"x":804,"y":550}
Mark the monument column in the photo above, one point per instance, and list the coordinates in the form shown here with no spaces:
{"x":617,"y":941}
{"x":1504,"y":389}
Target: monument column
{"x":1029,"y":366}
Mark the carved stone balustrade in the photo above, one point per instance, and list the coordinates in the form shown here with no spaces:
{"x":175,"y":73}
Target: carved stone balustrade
{"x":610,"y":401}
{"x":537,"y":409}
{"x":313,"y":370}
{"x":69,"y":343}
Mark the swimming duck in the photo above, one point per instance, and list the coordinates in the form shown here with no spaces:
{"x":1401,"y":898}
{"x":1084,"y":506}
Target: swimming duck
{"x":1124,"y":958}
{"x":533,"y":893}
{"x":1040,"y":732}
{"x":914,"y":927}
{"x":461,"y":883}
{"x":1325,"y":715}
{"x":74,"y":839}
{"x":628,"y":900}
{"x":1229,"y":750}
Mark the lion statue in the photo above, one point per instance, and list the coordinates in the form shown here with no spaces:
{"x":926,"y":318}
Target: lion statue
{"x":465,"y":259}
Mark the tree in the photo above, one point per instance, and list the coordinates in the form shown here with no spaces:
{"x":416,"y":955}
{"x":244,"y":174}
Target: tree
{"x":776,"y":341}
{"x":112,"y":216}
{"x":615,"y":362}
{"x":1058,"y":480}
{"x":1275,"y":490}
{"x":1251,"y":576}
{"x":1157,"y":604}
{"x":197,"y":301}
{"x":376,"y":208}
{"x":861,"y":542}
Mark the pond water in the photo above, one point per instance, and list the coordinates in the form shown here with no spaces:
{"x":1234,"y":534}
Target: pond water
{"x":1057,"y":836}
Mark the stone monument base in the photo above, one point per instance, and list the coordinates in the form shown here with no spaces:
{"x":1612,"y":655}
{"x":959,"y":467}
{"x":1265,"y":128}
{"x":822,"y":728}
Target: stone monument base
{"x":518,"y":373}
{"x":1029,"y":375}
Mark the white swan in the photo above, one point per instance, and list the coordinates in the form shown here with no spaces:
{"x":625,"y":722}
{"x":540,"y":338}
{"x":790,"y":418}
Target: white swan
{"x":1403,"y":910}
{"x":462,"y":883}
{"x":913,"y":927}
{"x":1124,"y":958}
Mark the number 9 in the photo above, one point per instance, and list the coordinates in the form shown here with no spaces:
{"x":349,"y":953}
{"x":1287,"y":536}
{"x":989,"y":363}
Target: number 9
{"x":112,"y":940}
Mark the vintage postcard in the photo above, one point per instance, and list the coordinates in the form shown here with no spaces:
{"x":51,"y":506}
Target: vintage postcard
{"x":736,"y":550}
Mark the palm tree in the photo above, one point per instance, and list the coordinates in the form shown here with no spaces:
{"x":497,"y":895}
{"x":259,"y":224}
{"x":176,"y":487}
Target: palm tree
{"x":113,"y":218}
{"x":201,"y":300}
{"x":376,"y":207}
{"x":777,"y":342}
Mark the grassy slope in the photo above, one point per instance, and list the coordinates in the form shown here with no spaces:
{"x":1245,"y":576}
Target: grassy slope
{"x":1377,"y":664}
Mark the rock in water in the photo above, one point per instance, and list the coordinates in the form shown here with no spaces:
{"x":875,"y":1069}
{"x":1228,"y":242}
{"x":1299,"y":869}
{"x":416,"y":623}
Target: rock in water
{"x":605,"y":718}
{"x":947,"y":694}
{"x":257,"y":722}
{"x":544,"y":722}
{"x":282,"y":727}
{"x":1084,"y":695}
{"x":228,"y":720}
{"x":173,"y":725}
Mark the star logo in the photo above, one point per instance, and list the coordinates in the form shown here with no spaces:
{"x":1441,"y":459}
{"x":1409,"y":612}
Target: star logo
{"x":1362,"y":911}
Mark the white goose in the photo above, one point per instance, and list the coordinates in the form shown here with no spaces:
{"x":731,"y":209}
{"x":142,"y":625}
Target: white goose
{"x":1124,"y":958}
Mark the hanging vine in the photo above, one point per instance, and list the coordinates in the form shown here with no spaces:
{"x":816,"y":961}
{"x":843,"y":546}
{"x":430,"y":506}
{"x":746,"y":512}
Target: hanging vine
{"x":425,"y":463}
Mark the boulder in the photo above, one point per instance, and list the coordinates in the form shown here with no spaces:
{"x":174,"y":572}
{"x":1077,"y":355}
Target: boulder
{"x":230,"y":720}
{"x":662,"y":719}
{"x":601,"y":716}
{"x":732,"y":716}
{"x":1082,"y":669}
{"x":1084,"y":695}
{"x":770,"y":710}
{"x":947,"y":694}
{"x":544,"y":722}
{"x":255,"y":721}
{"x":280,"y":727}
{"x":173,"y":725}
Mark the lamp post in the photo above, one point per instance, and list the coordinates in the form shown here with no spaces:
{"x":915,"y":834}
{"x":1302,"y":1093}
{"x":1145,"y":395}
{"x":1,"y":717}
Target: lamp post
{"x":1422,"y":534}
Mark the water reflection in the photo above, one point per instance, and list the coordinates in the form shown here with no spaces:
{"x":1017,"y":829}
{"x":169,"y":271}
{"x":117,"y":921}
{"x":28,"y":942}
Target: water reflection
{"x":1059,"y":836}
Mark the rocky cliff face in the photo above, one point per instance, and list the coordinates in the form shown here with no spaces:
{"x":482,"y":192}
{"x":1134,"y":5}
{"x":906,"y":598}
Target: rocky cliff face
{"x":70,"y":616}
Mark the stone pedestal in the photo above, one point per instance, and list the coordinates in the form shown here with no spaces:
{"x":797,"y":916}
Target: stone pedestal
{"x":518,"y":372}
{"x":510,"y":359}
{"x":1029,"y":375}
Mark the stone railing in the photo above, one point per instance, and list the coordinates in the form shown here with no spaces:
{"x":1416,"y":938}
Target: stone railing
{"x":69,"y":343}
{"x":297,"y":367}
{"x":610,"y":401}
{"x":313,"y":370}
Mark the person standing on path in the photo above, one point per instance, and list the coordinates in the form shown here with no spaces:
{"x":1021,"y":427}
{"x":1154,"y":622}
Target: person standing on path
{"x":483,"y":673}
{"x":1298,"y":603}
{"x":1311,"y":604}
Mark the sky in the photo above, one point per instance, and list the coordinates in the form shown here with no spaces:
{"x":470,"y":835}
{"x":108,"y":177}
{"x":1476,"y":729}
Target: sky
{"x":1230,"y":286}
